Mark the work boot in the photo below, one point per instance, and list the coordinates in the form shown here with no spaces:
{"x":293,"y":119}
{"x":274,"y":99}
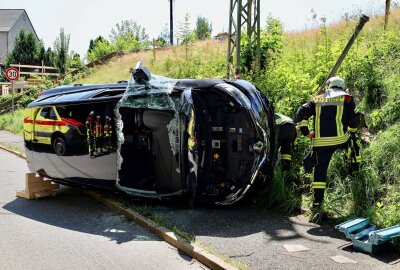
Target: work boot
{"x":316,"y":213}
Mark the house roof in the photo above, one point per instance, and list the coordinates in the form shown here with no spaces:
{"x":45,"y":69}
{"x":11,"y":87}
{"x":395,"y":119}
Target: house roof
{"x":8,"y":17}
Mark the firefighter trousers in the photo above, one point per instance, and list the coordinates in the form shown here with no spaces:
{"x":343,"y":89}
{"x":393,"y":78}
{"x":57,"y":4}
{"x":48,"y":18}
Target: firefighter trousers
{"x":323,"y":157}
{"x":287,"y":136}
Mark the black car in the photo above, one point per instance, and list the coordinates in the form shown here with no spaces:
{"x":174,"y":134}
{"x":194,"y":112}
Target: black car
{"x":204,"y":140}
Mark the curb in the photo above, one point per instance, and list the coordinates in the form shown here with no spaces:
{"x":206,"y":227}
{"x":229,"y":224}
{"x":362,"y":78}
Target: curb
{"x":194,"y":251}
{"x":12,"y":151}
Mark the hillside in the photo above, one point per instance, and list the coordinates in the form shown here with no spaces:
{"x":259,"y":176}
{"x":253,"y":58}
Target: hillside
{"x":209,"y":58}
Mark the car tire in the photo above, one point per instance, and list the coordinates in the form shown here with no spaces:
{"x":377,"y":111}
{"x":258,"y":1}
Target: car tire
{"x":60,"y":146}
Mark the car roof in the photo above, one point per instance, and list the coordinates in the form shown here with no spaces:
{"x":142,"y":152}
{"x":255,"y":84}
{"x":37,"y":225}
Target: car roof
{"x":79,"y":94}
{"x":79,"y":88}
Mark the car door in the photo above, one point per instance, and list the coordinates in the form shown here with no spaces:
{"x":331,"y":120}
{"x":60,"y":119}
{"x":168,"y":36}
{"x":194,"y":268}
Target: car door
{"x":44,"y":125}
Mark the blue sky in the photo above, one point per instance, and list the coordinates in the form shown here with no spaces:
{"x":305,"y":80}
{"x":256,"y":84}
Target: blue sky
{"x":86,"y":19}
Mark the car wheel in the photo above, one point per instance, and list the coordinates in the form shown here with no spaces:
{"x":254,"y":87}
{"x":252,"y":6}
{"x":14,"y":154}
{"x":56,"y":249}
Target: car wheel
{"x":60,"y":146}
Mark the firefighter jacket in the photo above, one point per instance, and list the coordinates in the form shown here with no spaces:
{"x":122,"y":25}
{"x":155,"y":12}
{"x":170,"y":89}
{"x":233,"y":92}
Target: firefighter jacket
{"x":90,"y":124}
{"x":107,"y":129}
{"x":334,"y":118}
{"x":98,"y":129}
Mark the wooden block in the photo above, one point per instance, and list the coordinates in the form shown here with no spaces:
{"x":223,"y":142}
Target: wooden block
{"x":23,"y":194}
{"x":40,"y":188}
{"x":30,"y":178}
{"x":42,"y":194}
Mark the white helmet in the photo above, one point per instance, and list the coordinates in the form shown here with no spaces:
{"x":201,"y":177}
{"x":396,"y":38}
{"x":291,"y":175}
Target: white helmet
{"x":336,"y":82}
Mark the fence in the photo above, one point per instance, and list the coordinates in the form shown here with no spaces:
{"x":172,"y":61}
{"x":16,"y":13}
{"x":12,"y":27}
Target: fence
{"x":42,"y":70}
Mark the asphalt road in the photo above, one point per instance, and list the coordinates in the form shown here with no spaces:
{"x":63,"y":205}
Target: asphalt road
{"x":72,"y":231}
{"x":258,"y":238}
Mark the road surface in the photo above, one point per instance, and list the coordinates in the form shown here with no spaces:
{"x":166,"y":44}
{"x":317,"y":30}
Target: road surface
{"x":73,"y":231}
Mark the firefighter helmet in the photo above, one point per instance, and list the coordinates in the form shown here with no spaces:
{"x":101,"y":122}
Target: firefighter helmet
{"x":336,"y":82}
{"x":98,"y":117}
{"x":91,"y":113}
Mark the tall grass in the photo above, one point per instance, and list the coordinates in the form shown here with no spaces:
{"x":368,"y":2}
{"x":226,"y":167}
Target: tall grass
{"x":205,"y":60}
{"x":13,"y":124}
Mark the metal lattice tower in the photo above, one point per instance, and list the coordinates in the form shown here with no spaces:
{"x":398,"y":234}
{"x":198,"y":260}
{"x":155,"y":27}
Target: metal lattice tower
{"x":243,"y":13}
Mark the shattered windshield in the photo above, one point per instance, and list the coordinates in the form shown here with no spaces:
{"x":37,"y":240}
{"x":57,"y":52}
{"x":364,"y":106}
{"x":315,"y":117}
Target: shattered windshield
{"x":153,"y":95}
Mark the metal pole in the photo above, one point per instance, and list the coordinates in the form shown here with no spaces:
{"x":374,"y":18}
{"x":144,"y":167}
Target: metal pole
{"x":238,"y":33}
{"x":363,"y":20}
{"x":230,"y":57}
{"x":12,"y":99}
{"x":171,"y":22}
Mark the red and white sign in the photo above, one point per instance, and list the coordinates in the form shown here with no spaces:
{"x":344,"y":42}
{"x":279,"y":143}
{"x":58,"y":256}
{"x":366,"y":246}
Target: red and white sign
{"x":12,"y":74}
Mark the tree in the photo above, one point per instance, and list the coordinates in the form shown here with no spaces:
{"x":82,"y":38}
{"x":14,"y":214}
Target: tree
{"x":101,"y":48}
{"x":75,"y":60}
{"x":61,"y":46}
{"x":185,"y":34}
{"x":203,"y":28}
{"x":26,"y":49}
{"x":49,"y":57}
{"x":163,"y":37}
{"x":129,"y":35}
{"x":92,"y":43}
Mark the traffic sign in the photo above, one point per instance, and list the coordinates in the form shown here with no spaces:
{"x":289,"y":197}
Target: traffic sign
{"x":12,"y":74}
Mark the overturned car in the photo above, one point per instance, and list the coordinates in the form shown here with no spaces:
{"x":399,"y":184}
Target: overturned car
{"x":204,"y":140}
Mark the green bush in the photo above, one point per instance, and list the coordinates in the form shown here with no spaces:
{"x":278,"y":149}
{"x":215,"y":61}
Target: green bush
{"x":13,"y":124}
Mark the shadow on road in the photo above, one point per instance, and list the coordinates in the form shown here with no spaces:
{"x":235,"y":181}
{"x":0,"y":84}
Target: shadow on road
{"x":73,"y":210}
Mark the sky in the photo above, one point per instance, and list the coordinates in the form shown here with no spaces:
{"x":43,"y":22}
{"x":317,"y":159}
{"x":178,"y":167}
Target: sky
{"x":87,"y":19}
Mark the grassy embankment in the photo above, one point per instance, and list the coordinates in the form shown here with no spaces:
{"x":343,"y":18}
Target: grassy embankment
{"x":207,"y":60}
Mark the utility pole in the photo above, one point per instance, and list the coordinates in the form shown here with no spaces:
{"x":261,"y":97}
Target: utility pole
{"x":171,"y":22}
{"x":387,"y":13}
{"x":243,"y":13}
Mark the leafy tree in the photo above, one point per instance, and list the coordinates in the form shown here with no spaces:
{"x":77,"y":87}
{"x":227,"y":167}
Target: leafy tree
{"x":92,"y":43}
{"x":26,"y":49}
{"x":46,"y":56}
{"x":129,"y":35}
{"x":101,"y":48}
{"x":163,"y":37}
{"x":185,"y":34}
{"x":203,"y":28}
{"x":61,"y":46}
{"x":75,"y":60}
{"x":271,"y":44}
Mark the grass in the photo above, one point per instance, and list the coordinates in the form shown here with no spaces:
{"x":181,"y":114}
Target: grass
{"x":164,"y":62}
{"x":13,"y":124}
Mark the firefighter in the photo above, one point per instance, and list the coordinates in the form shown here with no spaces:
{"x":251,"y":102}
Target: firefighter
{"x":335,"y":122}
{"x":108,"y":134}
{"x":98,"y":135}
{"x":90,"y":128}
{"x":286,"y":135}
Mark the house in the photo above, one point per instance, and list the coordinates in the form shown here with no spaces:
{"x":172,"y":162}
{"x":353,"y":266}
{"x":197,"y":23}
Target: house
{"x":11,"y":22}
{"x":221,"y":36}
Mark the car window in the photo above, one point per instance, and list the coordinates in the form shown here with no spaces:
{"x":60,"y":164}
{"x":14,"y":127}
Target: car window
{"x":52,"y":114}
{"x":109,"y":93}
{"x":45,"y":112}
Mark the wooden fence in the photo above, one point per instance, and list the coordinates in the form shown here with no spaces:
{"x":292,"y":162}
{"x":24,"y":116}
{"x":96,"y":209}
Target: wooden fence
{"x":42,"y":70}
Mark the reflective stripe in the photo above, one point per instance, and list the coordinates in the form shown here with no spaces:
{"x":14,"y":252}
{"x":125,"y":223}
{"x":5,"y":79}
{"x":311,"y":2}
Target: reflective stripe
{"x":329,"y":141}
{"x":286,"y":156}
{"x":352,"y":129}
{"x":339,"y":124}
{"x":317,"y":121}
{"x":318,"y":185}
{"x":329,"y":100}
{"x":303,"y":123}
